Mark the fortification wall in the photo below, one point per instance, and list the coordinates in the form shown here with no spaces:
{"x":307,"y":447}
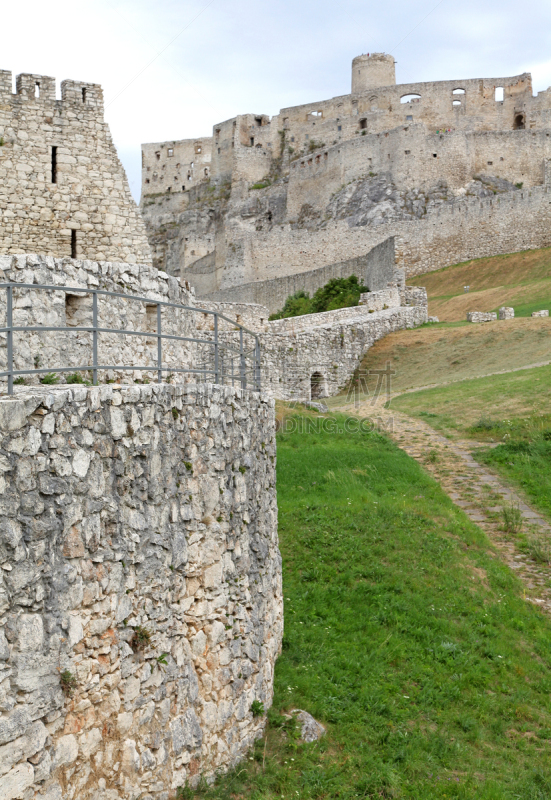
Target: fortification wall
{"x":415,"y":159}
{"x":467,"y":228}
{"x":325,"y":354}
{"x":373,"y":269}
{"x":33,"y":349}
{"x":125,"y":513}
{"x":63,"y":189}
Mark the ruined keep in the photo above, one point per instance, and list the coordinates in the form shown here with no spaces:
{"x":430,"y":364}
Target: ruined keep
{"x":63,"y":189}
{"x":451,"y":169}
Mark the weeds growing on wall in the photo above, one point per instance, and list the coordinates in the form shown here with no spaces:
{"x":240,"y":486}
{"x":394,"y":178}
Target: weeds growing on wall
{"x":404,"y":634}
{"x":337,"y":293}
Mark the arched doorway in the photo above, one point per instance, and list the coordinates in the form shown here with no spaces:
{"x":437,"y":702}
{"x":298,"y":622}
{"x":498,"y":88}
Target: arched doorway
{"x":317,"y":386}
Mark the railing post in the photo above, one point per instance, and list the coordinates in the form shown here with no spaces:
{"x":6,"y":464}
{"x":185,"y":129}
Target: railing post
{"x":95,"y":339}
{"x":216,"y":366}
{"x":9,"y":326}
{"x":242,"y":365}
{"x":159,"y":346}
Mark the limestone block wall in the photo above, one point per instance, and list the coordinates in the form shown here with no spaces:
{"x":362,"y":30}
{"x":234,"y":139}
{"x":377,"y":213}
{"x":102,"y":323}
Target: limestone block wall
{"x":49,"y":349}
{"x":140,"y":565}
{"x":468,"y":228}
{"x":324,"y":357}
{"x":416,"y":158}
{"x":63,"y":190}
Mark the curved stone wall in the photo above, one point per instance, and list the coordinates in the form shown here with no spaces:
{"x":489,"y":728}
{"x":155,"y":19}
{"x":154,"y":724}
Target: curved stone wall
{"x":140,"y":589}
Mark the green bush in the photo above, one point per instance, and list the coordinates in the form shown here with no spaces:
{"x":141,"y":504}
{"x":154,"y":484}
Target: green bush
{"x":337,"y":293}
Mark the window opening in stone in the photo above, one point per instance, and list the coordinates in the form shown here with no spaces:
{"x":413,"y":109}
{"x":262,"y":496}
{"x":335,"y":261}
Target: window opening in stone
{"x":307,"y":136}
{"x":316,"y":385}
{"x":407,"y":152}
{"x":519,"y":123}
{"x":191,"y":165}
{"x":37,"y":89}
{"x":363,"y":124}
{"x":78,"y":310}
{"x":73,"y":244}
{"x":410,"y":98}
{"x":339,"y":127}
{"x":456,"y":103}
{"x":409,"y":118}
{"x":252,"y":141}
{"x":206,"y":171}
{"x":158,"y":155}
{"x":218,"y":151}
{"x":499,"y":94}
{"x":258,"y":121}
{"x":458,"y":91}
{"x":54,"y":164}
{"x":435,"y":155}
{"x":84,"y":95}
{"x":151,"y":320}
{"x":170,"y":152}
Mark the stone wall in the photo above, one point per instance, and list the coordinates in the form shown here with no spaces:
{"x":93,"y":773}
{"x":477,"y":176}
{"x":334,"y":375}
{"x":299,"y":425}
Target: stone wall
{"x":468,"y":228}
{"x":33,"y":349}
{"x":373,"y":269}
{"x":324,"y":355}
{"x":140,"y":590}
{"x":63,"y":190}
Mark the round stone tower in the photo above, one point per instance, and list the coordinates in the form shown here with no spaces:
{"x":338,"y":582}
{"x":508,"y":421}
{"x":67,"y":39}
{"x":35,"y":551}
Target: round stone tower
{"x":371,"y":71}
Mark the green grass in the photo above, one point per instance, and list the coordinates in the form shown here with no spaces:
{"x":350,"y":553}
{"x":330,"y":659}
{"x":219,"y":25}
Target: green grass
{"x":513,"y":410}
{"x":404,"y":634}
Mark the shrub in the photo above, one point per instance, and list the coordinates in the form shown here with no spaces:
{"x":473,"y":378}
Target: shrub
{"x":76,"y":377}
{"x":50,"y":378}
{"x":337,"y":293}
{"x":68,"y":682}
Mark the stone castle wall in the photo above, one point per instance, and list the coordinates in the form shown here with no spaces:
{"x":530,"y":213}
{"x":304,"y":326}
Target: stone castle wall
{"x":33,"y":349}
{"x":63,"y":189}
{"x":125,"y":512}
{"x":374,"y":269}
{"x":468,"y":228}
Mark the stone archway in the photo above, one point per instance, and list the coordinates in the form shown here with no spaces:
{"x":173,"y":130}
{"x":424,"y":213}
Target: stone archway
{"x":317,"y":386}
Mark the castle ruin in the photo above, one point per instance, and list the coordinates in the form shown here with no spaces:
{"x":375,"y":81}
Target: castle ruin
{"x":451,"y":169}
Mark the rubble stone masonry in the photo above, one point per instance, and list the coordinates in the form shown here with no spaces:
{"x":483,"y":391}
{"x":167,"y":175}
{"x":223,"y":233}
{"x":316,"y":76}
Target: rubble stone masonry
{"x":63,"y":190}
{"x":140,"y":588}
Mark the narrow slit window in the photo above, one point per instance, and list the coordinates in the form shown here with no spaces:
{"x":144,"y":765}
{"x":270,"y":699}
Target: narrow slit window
{"x":73,"y":244}
{"x":37,"y":90}
{"x":83,"y":95}
{"x":499,"y":94}
{"x":54,"y":164}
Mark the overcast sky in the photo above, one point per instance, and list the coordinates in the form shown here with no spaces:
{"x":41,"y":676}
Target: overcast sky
{"x":173,"y":68}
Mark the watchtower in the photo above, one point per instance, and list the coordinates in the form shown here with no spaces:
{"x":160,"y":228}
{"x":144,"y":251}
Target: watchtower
{"x":372,"y":71}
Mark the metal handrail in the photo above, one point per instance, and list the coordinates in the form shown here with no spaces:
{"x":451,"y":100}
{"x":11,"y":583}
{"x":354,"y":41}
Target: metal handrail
{"x":218,"y":372}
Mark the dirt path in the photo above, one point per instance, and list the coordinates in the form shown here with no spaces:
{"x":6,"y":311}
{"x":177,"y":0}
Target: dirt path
{"x":476,"y":490}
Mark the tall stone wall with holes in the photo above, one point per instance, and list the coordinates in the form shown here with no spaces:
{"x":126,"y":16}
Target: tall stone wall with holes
{"x":63,"y":190}
{"x":140,"y":589}
{"x":33,"y":349}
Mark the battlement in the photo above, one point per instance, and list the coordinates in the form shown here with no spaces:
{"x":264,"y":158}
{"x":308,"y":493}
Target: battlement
{"x":41,"y":89}
{"x":59,"y":155}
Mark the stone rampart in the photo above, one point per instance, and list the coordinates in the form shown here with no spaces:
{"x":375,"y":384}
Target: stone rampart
{"x":63,"y":190}
{"x":140,"y":589}
{"x":481,"y":316}
{"x":33,"y":349}
{"x":311,"y":361}
{"x":468,"y":228}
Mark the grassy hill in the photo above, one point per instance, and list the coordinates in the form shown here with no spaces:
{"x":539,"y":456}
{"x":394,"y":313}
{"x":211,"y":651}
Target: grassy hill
{"x":521,"y":280}
{"x":404,"y":634}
